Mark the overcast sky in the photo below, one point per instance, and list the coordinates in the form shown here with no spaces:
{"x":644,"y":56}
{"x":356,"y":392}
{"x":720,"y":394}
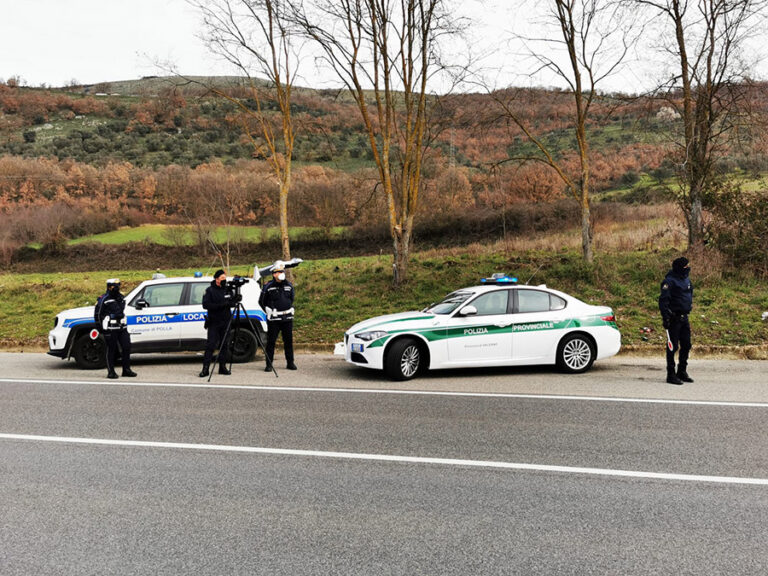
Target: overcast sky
{"x":54,"y":42}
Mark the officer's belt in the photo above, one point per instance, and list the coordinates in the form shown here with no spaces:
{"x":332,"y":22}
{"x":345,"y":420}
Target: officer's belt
{"x":277,"y":313}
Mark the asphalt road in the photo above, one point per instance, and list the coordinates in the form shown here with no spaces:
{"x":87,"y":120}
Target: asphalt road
{"x":334,"y":470}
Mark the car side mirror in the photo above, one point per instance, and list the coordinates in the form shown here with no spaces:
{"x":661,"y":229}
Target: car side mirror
{"x":141,"y":303}
{"x":468,"y":311}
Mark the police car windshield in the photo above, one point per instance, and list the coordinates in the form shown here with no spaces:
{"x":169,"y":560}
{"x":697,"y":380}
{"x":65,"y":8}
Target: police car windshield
{"x":450,"y":303}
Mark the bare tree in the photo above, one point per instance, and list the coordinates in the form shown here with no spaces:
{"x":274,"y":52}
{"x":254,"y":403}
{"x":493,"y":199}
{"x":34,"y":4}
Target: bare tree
{"x":709,"y":90}
{"x":385,"y":52}
{"x":591,"y":42}
{"x":255,"y":36}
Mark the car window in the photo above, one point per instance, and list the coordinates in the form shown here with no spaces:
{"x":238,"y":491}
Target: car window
{"x":196,"y":291}
{"x":556,"y":303}
{"x":163,"y":294}
{"x":491,"y":303}
{"x":449,"y":303}
{"x":532,"y":301}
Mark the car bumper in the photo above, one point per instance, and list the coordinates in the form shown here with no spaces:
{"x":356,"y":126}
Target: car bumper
{"x":608,"y":342}
{"x":358,"y":352}
{"x":57,"y":342}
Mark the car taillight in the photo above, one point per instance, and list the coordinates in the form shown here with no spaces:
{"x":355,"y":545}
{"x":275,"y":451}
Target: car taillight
{"x":610,"y":318}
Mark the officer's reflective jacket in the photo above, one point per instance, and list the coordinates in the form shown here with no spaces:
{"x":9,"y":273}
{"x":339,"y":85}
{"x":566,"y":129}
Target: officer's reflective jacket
{"x":676,"y":295}
{"x":110,"y":305}
{"x":279,"y":297}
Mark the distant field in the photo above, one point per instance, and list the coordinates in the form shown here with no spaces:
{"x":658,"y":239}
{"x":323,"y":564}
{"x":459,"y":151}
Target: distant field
{"x":185,"y":236}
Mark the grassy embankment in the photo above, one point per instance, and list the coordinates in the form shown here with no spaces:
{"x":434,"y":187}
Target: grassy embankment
{"x":170,"y":235}
{"x":335,"y":293}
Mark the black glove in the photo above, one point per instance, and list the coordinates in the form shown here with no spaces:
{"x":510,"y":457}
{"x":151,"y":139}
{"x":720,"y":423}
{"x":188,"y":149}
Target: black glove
{"x":666,"y":321}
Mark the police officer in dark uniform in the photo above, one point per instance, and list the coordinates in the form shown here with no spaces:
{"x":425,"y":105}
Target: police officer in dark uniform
{"x":219,"y":304}
{"x":675,"y":303}
{"x":109,"y":315}
{"x":277,"y":301}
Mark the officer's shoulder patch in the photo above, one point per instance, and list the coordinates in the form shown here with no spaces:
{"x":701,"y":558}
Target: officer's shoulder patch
{"x":665,"y":286}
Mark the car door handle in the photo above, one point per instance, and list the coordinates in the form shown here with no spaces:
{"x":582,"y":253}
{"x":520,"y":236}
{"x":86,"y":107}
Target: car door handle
{"x":503,"y":324}
{"x":171,"y":314}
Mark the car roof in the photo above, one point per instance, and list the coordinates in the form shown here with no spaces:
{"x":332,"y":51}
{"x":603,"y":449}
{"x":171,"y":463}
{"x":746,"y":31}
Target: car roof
{"x":481,"y":288}
{"x":501,"y":286}
{"x":179,"y":279}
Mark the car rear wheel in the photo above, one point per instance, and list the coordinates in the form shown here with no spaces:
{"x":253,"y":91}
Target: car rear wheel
{"x":404,"y":359}
{"x":244,"y":346}
{"x":90,"y":354}
{"x":575,"y":353}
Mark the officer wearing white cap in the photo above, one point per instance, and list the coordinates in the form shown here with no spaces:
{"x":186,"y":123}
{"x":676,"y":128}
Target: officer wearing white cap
{"x":277,"y":301}
{"x":111,"y":322}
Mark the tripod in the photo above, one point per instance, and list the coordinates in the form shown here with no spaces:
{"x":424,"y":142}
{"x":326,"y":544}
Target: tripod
{"x":225,"y":340}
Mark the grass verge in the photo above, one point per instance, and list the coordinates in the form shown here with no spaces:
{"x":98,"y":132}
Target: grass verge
{"x":335,"y":293}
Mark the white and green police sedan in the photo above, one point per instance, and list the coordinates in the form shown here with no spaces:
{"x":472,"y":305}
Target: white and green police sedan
{"x":497,"y":323}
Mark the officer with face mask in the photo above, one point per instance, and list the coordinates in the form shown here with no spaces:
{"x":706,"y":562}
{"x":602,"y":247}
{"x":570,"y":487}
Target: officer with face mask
{"x":277,"y":301}
{"x":219,"y":305}
{"x":109,"y":315}
{"x":675,"y":303}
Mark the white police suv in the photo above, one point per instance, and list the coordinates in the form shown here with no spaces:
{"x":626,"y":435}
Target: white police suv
{"x":497,"y":323}
{"x":163,"y":315}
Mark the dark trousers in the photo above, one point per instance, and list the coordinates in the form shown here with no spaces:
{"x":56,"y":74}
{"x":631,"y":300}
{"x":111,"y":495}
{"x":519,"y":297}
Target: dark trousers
{"x":114,"y":339}
{"x":215,"y":341}
{"x":679,"y":338}
{"x":273,"y":329}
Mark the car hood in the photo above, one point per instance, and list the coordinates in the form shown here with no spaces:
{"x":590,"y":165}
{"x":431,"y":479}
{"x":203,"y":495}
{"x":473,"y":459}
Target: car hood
{"x":83,"y":312}
{"x":403,"y":321}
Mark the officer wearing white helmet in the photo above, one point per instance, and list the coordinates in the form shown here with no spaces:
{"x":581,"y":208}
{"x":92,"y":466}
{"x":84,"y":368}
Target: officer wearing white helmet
{"x":277,"y":301}
{"x":111,"y":322}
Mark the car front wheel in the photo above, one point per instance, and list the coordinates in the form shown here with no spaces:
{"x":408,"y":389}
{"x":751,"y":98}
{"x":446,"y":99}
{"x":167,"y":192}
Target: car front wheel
{"x":404,"y":359}
{"x":576,"y":353}
{"x":244,"y":346}
{"x":90,"y":354}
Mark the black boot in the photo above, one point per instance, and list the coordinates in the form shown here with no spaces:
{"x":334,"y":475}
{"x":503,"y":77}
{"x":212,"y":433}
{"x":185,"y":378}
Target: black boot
{"x":129,"y":373}
{"x":683,"y":375}
{"x":112,"y":375}
{"x":268,"y":368}
{"x":204,"y":372}
{"x":223,"y":370}
{"x":673,"y":379}
{"x":291,"y":366}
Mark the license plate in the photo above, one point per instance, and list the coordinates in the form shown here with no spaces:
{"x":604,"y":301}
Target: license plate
{"x":357,"y":347}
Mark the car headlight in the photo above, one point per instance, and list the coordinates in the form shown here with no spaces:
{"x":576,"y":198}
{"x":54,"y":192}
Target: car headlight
{"x":372,"y":335}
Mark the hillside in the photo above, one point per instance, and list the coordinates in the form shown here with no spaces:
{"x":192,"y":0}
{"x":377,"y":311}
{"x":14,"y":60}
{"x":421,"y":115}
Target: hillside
{"x":157,"y":122}
{"x":86,"y":160}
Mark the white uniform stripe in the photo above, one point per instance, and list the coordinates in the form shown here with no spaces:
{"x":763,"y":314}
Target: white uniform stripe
{"x":392,"y":392}
{"x":394,"y":458}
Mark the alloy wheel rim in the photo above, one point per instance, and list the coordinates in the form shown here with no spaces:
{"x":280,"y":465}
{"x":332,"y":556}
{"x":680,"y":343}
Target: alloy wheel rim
{"x":409,"y":361}
{"x":577,"y":354}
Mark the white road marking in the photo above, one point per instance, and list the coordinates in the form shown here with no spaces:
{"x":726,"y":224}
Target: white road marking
{"x":391,"y":392}
{"x":393,"y":458}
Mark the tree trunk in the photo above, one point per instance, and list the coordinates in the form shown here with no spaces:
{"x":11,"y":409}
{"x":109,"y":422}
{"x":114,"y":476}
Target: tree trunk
{"x":284,"y":238}
{"x":586,"y":230}
{"x":695,"y":222}
{"x":402,"y":246}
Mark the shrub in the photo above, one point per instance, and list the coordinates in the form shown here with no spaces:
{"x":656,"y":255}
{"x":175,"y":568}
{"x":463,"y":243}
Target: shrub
{"x":739,"y":226}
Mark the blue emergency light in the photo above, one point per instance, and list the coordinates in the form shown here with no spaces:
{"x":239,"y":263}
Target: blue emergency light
{"x":499,"y":278}
{"x":198,"y":274}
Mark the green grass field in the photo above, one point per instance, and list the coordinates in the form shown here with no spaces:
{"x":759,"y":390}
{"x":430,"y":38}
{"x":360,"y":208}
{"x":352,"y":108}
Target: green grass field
{"x":334,"y":294}
{"x":168,"y":235}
